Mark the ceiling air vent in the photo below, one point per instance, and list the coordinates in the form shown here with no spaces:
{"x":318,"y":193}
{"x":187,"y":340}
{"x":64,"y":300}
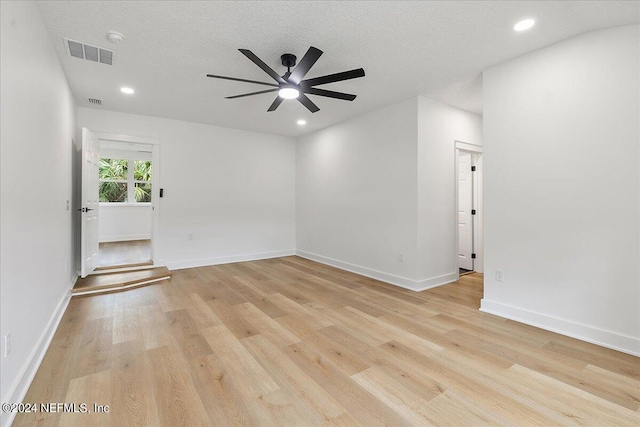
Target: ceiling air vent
{"x":88,"y":52}
{"x":95,"y":101}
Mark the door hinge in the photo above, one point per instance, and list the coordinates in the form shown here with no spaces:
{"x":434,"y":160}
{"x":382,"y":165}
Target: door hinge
{"x":473,"y":168}
{"x":473,"y":211}
{"x":473,"y":255}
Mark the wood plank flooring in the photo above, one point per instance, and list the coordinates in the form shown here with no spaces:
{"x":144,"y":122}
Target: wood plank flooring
{"x":289,"y":342}
{"x":122,"y":253}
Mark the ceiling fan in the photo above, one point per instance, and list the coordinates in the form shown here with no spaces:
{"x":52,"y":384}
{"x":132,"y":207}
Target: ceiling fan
{"x":290,"y":85}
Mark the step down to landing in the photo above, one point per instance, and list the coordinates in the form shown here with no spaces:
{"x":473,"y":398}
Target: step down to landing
{"x":114,"y":282}
{"x":145,"y":264}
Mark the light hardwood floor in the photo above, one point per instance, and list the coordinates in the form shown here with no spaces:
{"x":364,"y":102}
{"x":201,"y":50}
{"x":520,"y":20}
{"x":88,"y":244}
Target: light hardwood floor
{"x":118,"y":253}
{"x":292,"y":342}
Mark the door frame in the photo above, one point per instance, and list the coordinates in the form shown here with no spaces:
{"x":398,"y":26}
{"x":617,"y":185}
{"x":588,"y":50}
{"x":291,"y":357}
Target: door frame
{"x":155,"y":182}
{"x":476,"y":152}
{"x":470,"y":226}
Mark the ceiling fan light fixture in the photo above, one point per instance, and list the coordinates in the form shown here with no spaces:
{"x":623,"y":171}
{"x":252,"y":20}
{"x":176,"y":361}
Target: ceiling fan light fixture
{"x":288,"y":92}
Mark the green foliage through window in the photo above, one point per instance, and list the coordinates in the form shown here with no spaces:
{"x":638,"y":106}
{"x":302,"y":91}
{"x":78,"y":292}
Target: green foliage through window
{"x":142,"y":178}
{"x":116,"y":177}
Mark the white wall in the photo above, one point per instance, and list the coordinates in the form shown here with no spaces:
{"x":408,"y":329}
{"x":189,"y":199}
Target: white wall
{"x":562,"y":188}
{"x":36,"y":251}
{"x":382,"y":184}
{"x":439,"y":126}
{"x":356,"y":193}
{"x":121,"y":222}
{"x":233,"y":190}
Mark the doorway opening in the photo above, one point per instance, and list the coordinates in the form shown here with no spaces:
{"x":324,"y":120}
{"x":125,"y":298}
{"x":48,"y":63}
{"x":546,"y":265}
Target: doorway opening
{"x":469,"y":232}
{"x":125,"y":193}
{"x":122,"y":177}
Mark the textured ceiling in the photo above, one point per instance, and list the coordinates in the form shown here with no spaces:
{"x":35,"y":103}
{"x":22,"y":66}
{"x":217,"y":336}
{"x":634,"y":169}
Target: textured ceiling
{"x":436,"y":49}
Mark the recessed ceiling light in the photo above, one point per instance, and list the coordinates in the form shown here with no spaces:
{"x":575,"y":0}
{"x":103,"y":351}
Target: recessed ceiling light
{"x":302,"y":122}
{"x":127,"y":90}
{"x":524,"y":25}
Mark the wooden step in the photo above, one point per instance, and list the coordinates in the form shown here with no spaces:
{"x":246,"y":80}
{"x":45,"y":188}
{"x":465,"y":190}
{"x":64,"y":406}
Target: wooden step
{"x":122,"y":266}
{"x":115,"y":282}
{"x":121,"y":269}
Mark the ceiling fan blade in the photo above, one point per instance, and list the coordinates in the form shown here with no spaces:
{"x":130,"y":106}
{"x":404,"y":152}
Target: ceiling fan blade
{"x":275,"y":76}
{"x":329,"y":93}
{"x":331,"y":78}
{"x":249,"y":94}
{"x":305,"y":64}
{"x":276,"y":103}
{"x":304,"y":100}
{"x":241,"y":80}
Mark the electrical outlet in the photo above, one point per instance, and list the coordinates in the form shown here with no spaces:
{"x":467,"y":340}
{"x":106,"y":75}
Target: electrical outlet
{"x":67,"y":205}
{"x":401,"y":257}
{"x":7,"y":344}
{"x":500,"y":275}
{"x":309,"y":239}
{"x":190,"y":236}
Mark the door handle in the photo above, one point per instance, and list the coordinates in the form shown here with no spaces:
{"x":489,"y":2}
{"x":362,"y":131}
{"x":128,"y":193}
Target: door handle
{"x":85,"y":209}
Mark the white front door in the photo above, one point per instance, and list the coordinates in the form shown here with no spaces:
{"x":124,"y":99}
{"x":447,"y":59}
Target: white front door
{"x":465,"y":204}
{"x":90,"y":199}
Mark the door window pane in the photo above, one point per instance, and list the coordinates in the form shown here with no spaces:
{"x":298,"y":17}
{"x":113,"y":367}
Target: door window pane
{"x":141,"y":170}
{"x":143,"y":192}
{"x":111,"y":191}
{"x":114,"y":169}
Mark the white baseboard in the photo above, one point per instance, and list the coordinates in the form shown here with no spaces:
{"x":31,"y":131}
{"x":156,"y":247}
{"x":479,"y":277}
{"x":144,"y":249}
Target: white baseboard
{"x":403,"y":282}
{"x":601,"y":337}
{"x":203,"y":262}
{"x":124,"y":238}
{"x":437,"y":281}
{"x":19,"y":389}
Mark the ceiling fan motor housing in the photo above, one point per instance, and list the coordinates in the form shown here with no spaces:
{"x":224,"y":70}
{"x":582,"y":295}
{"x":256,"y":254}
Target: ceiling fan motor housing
{"x":288,"y":60}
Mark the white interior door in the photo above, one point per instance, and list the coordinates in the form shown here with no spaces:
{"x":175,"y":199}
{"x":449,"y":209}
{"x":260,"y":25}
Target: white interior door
{"x":90,"y":199}
{"x":465,"y":204}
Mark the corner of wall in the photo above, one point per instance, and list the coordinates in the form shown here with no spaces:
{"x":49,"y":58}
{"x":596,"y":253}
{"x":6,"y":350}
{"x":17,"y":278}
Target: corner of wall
{"x":439,"y":126}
